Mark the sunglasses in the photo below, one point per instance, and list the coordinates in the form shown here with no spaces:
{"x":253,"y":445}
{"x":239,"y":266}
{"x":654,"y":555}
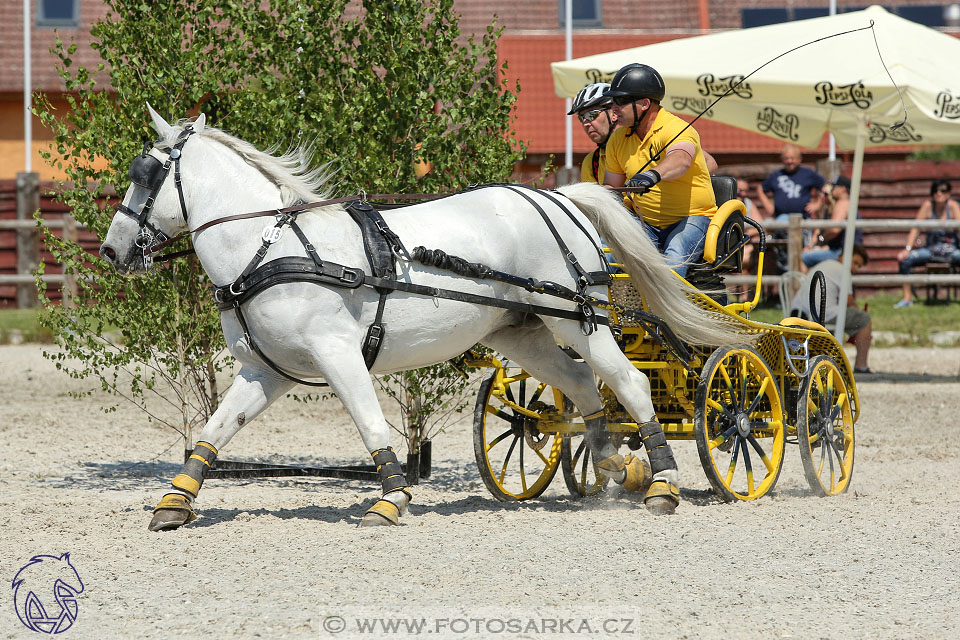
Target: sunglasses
{"x":943,"y":190}
{"x":590,"y":116}
{"x":622,"y":100}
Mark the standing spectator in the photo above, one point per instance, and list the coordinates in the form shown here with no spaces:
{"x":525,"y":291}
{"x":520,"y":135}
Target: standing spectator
{"x":941,"y":245}
{"x":828,"y":243}
{"x":792,"y":189}
{"x":857,"y":323}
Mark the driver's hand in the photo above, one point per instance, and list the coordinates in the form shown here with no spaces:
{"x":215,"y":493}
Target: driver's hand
{"x":643,"y":181}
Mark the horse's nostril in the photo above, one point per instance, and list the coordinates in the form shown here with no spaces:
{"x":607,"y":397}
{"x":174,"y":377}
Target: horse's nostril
{"x":108,"y":253}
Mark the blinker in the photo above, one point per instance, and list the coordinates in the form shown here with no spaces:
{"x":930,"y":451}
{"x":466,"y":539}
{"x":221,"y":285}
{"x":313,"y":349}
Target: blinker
{"x":147,"y":172}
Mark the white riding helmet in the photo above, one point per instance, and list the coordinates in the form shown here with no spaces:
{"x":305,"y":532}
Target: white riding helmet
{"x":590,"y":96}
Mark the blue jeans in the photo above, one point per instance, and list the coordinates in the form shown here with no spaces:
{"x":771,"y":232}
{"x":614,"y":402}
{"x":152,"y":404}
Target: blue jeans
{"x":923,"y":255}
{"x":682,"y":242}
{"x":812,"y":258}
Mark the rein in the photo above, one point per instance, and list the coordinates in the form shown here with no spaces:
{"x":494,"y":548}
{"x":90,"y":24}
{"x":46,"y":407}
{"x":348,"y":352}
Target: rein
{"x":297,"y":208}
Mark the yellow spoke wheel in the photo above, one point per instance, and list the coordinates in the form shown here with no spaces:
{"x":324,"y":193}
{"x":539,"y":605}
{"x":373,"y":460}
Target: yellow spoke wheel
{"x":825,"y":428}
{"x":580,"y":472}
{"x":516,"y":459}
{"x":739,"y":424}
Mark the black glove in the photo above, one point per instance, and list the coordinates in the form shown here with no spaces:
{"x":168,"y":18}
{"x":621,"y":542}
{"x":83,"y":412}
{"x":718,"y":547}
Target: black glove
{"x":643,"y":181}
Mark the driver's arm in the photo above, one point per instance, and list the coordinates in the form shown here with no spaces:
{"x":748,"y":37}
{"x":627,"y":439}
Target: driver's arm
{"x":676,"y":163}
{"x":614,"y":179}
{"x":679,"y":158}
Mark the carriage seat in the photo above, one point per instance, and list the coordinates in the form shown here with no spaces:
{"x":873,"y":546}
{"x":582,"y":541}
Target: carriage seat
{"x":722,"y":251}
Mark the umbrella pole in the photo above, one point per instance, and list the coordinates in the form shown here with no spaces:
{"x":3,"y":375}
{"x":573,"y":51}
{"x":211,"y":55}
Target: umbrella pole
{"x":849,"y":236}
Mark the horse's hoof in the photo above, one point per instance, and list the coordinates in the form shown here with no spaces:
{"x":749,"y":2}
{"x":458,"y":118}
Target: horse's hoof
{"x":173,"y":512}
{"x":660,"y":506}
{"x":662,"y":498}
{"x":383,"y":513}
{"x":638,"y":476}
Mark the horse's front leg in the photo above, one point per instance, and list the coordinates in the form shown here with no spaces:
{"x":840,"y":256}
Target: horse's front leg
{"x":347,"y":375}
{"x":252,"y":391}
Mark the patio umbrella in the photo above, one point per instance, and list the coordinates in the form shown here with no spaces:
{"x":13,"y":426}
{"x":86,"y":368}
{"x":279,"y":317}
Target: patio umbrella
{"x":838,"y":85}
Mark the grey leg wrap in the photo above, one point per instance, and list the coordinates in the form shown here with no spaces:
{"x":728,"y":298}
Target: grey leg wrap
{"x":190,"y":478}
{"x":658,"y":451}
{"x":391,"y":473}
{"x":598,"y":438}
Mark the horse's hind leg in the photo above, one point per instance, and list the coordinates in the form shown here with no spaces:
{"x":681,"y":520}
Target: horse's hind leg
{"x":534,"y":348}
{"x":252,"y":391}
{"x":632,"y":389}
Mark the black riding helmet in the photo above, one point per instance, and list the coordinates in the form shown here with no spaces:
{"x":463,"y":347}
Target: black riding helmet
{"x":637,"y":81}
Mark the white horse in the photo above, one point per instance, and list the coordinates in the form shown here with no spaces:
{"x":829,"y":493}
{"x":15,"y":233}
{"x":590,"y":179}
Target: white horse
{"x":311,"y":330}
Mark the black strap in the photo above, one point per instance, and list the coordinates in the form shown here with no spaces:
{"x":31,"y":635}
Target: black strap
{"x":489,"y":301}
{"x":567,"y":254}
{"x":270,"y":363}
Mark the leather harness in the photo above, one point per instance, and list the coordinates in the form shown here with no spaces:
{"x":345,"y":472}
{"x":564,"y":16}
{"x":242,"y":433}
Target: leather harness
{"x":382,"y":248}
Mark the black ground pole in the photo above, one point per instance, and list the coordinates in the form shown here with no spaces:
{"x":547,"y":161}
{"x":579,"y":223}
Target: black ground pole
{"x":419,"y":463}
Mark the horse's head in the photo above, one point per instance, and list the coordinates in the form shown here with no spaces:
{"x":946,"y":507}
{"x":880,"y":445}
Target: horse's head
{"x":154,"y":207}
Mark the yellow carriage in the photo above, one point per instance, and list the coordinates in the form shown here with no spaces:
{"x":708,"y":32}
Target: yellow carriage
{"x":742,"y":405}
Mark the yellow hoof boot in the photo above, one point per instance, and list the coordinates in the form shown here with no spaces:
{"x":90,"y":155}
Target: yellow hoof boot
{"x":638,"y":474}
{"x":662,"y":498}
{"x":612,"y":465}
{"x":172,"y":511}
{"x":382,"y":513}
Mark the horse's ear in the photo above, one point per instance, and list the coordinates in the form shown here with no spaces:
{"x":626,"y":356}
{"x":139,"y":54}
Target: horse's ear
{"x":199,"y":123}
{"x":161,"y":125}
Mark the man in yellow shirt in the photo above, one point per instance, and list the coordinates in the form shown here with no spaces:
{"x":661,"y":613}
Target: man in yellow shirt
{"x":676,"y":200}
{"x":592,"y":108}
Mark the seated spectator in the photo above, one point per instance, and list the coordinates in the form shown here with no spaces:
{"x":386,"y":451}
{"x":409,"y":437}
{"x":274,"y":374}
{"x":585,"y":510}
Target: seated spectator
{"x":941,"y":244}
{"x":749,"y":253}
{"x":827,"y":244}
{"x":857,"y":323}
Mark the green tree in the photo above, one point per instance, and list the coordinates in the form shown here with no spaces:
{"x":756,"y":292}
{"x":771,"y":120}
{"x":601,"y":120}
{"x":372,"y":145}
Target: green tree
{"x":381,"y":90}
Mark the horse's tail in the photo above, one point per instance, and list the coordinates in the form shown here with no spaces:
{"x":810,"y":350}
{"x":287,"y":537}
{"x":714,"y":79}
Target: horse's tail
{"x":664,"y":293}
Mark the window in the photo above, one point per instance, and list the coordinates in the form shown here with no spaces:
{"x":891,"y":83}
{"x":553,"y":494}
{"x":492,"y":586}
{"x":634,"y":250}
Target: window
{"x":931,"y":15}
{"x":586,"y":13}
{"x":58,"y":13}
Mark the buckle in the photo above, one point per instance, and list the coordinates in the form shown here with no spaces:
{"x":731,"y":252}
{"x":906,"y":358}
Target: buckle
{"x":350,"y":276}
{"x":375,"y":335}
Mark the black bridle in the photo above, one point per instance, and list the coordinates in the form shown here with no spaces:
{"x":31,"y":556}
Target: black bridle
{"x":148,"y":172}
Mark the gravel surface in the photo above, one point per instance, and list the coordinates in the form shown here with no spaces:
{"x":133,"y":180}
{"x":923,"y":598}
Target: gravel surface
{"x":284,"y":558}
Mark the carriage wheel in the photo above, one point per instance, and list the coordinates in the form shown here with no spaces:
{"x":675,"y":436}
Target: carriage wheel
{"x":516,"y":460}
{"x":825,"y":428}
{"x":738,"y":420}
{"x":580,"y":473}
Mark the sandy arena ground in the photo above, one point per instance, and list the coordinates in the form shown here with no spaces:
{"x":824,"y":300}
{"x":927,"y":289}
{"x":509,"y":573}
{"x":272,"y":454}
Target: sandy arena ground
{"x":283,"y":558}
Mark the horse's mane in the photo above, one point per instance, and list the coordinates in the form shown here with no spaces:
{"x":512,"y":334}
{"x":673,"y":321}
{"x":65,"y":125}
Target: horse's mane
{"x":291,"y":171}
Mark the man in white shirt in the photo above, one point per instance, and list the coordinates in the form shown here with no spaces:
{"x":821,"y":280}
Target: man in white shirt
{"x":857,"y":324}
